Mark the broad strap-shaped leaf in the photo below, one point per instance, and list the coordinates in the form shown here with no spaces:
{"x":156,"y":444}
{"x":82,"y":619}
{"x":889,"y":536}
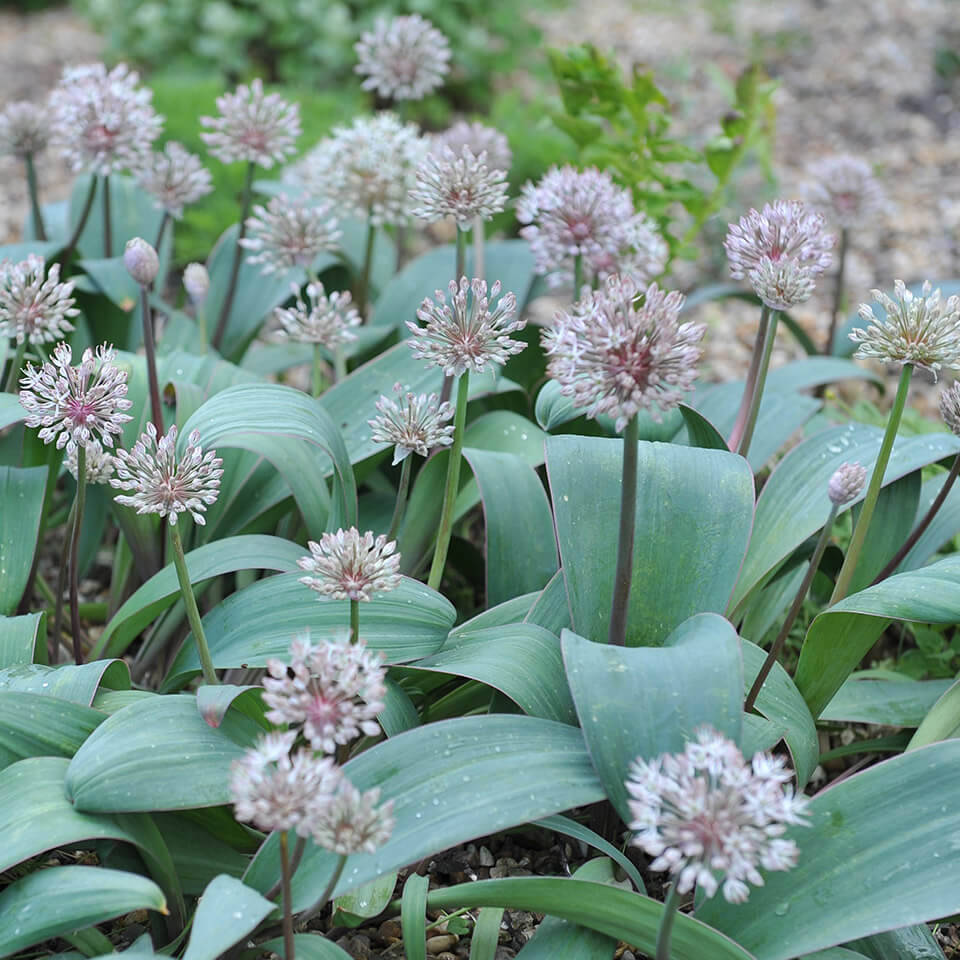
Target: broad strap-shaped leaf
{"x":11,"y":411}
{"x":78,"y":684}
{"x":894,"y":701}
{"x":696,"y":678}
{"x":942,"y":722}
{"x":258,"y":622}
{"x":794,"y":504}
{"x":551,"y":609}
{"x":295,"y":434}
{"x":485,"y":774}
{"x":916,"y":942}
{"x":32,"y":725}
{"x":21,"y":497}
{"x":158,"y":754}
{"x":251,"y":552}
{"x":198,"y":856}
{"x":364,"y":902}
{"x":72,"y":898}
{"x":23,"y":639}
{"x":227,"y":911}
{"x":694,"y":511}
{"x":854,"y":858}
{"x":309,"y":946}
{"x":520,"y":660}
{"x":841,"y":635}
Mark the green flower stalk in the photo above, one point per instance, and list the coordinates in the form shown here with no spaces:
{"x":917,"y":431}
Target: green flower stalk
{"x":227,"y":306}
{"x":39,"y":228}
{"x":24,"y":133}
{"x":916,"y":331}
{"x":196,"y":282}
{"x":143,"y":265}
{"x":620,"y":350}
{"x":107,"y":222}
{"x":166,"y":485}
{"x":363,"y":281}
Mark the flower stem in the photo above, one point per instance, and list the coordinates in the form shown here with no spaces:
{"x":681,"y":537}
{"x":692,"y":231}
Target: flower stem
{"x":311,"y":912}
{"x":670,"y":907}
{"x":190,"y":602}
{"x":577,"y":276}
{"x":777,"y":646}
{"x":918,"y":531}
{"x":224,"y":317}
{"x":74,"y":553}
{"x":201,"y":318}
{"x":453,"y":485}
{"x":461,"y":264}
{"x":38,"y":227}
{"x":479,"y":249}
{"x":107,"y":226}
{"x":754,"y":411}
{"x":156,"y":410}
{"x":317,"y":378}
{"x":81,"y":223}
{"x":16,"y":363}
{"x":750,"y":386}
{"x":339,"y":363}
{"x":298,"y":851}
{"x":873,"y":491}
{"x":285,"y":874}
{"x":363,"y":285}
{"x":837,"y":290}
{"x":160,"y":281}
{"x":402,"y":491}
{"x":628,"y":514}
{"x":354,"y":621}
{"x":62,"y":582}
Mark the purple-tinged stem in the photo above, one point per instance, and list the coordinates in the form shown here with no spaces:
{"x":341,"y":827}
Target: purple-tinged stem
{"x":156,"y":408}
{"x":749,"y":386}
{"x":81,"y":223}
{"x":285,"y":874}
{"x":400,"y":508}
{"x":838,"y":289}
{"x":670,"y":907}
{"x":75,"y":551}
{"x":628,"y":514}
{"x":363,"y":285}
{"x":38,"y":227}
{"x":107,"y":226}
{"x":224,"y":317}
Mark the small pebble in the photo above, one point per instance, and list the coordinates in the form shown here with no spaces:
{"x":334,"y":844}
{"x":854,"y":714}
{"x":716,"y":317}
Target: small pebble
{"x":441,"y":943}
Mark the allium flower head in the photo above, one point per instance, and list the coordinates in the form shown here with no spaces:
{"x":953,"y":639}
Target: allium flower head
{"x":366,"y":169}
{"x":844,"y":188}
{"x":348,"y":566}
{"x":103,"y":121}
{"x":612,"y":355}
{"x":415,"y":424}
{"x":466,"y":333}
{"x":458,"y":185}
{"x":74,"y":405}
{"x":706,"y":809}
{"x":477,"y":138}
{"x":351,"y":822}
{"x":573,"y":213}
{"x":289,"y":233}
{"x":275,"y":790}
{"x":781,"y":251}
{"x":175,"y":178}
{"x":327,"y":320}
{"x":846,"y":483}
{"x":403,"y":59}
{"x":141,"y":261}
{"x":950,"y":407}
{"x":253,"y":126}
{"x":99,"y":463}
{"x":923,"y":330}
{"x":196,"y":281}
{"x":34,"y":307}
{"x":335,"y":689}
{"x":24,"y":129}
{"x":164,"y":485}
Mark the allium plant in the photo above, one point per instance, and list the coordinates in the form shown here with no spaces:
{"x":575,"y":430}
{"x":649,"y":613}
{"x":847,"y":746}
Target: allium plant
{"x":196,"y":283}
{"x":781,"y":250}
{"x":706,"y":811}
{"x":168,"y":485}
{"x":582,"y":226}
{"x":143,"y":265}
{"x":24,"y":133}
{"x":403,"y":59}
{"x":477,"y":138}
{"x":289,"y":233}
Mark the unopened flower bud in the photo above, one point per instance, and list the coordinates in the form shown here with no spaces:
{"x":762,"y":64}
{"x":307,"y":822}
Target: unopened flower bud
{"x":196,"y":281}
{"x":141,"y":261}
{"x":846,"y":483}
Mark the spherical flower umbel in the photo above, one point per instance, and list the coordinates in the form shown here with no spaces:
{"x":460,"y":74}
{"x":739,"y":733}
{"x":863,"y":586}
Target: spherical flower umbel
{"x":275,"y":790}
{"x":844,"y":188}
{"x":348,"y":566}
{"x":175,"y":178}
{"x":413,"y":423}
{"x":196,"y":281}
{"x":351,"y":822}
{"x":164,"y":484}
{"x":950,"y":407}
{"x":846,"y":483}
{"x":74,"y":405}
{"x":253,"y":126}
{"x":616,"y":356}
{"x":99,"y":463}
{"x":466,"y":334}
{"x":335,"y":689}
{"x":477,"y":138}
{"x":572,"y":213}
{"x":402,"y":59}
{"x":34,"y":306}
{"x":289,"y":233}
{"x":781,"y":251}
{"x":707,"y":810}
{"x":103,"y":121}
{"x":461,"y":186}
{"x":325,"y":318}
{"x":923,"y":330}
{"x":24,"y":129}
{"x":141,"y":261}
